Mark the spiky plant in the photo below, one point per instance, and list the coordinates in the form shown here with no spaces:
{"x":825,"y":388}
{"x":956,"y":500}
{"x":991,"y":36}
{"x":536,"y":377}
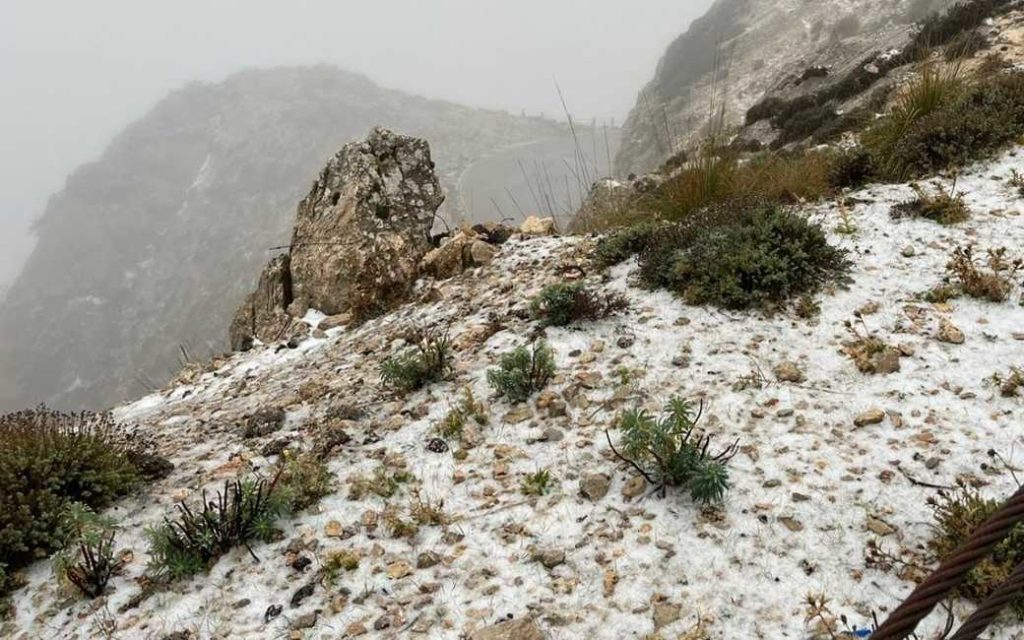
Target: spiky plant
{"x":669,"y":451}
{"x":522,"y":372}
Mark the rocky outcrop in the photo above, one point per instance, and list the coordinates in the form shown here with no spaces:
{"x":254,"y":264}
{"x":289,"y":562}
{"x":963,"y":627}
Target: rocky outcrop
{"x":741,"y":51}
{"x":361,"y":232}
{"x":152,"y":247}
{"x":358,"y":241}
{"x":264,"y":314}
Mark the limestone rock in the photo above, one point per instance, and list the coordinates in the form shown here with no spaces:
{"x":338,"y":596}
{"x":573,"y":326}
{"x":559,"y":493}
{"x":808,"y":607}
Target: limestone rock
{"x":263,"y":315}
{"x":534,"y":226}
{"x":869,"y":417}
{"x":950,"y":333}
{"x":464,"y":250}
{"x":522,"y":629}
{"x":595,"y":485}
{"x":364,"y":227}
{"x":789,"y":372}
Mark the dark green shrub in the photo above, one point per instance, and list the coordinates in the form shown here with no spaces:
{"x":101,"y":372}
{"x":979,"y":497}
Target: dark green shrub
{"x":761,"y":258}
{"x":189,"y":542}
{"x":981,"y":120}
{"x":671,"y":452}
{"x":305,"y":479}
{"x":87,"y":560}
{"x":522,"y":372}
{"x":559,"y":305}
{"x":938,"y":206}
{"x":960,"y":513}
{"x":429,"y":362}
{"x":852,"y":169}
{"x":49,"y":460}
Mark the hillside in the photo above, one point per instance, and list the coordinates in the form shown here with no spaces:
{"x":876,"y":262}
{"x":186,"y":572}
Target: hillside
{"x":146,"y":252}
{"x":831,"y":460}
{"x":742,"y":51}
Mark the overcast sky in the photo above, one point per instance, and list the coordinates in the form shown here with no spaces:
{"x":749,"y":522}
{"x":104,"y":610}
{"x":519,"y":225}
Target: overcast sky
{"x":74,"y":72}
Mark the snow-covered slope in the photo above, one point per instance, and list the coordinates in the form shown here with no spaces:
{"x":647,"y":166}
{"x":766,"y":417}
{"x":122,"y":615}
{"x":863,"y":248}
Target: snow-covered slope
{"x":810,"y":489}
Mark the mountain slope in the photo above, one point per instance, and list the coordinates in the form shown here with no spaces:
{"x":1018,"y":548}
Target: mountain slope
{"x":154,"y":245}
{"x":827,"y":466}
{"x":743,"y":50}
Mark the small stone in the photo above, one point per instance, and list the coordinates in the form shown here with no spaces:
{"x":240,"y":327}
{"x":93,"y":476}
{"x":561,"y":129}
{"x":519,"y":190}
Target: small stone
{"x":400,"y":569}
{"x":522,"y":413}
{"x":550,"y":558}
{"x":792,"y":524}
{"x":665,"y":613}
{"x":879,"y":527}
{"x":552,"y":434}
{"x":909,"y":251}
{"x":634,"y":487}
{"x":772,"y":483}
{"x":302,"y":593}
{"x":306,"y":620}
{"x":932,"y":463}
{"x":522,"y":629}
{"x":788,"y":372}
{"x":785,"y":413}
{"x":356,"y":629}
{"x":595,"y":485}
{"x":272,"y":612}
{"x":887,"y":362}
{"x":625,"y":342}
{"x":482,"y":253}
{"x":427,"y":559}
{"x":869,"y":417}
{"x":950,"y":333}
{"x":800,"y":497}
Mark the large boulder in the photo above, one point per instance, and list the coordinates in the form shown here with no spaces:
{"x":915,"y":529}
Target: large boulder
{"x":359,"y":239}
{"x":263,"y":313}
{"x":362,"y":231}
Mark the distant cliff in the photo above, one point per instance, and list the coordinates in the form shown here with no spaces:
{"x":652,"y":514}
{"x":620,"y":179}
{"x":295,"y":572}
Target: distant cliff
{"x":145,"y":253}
{"x":743,"y":50}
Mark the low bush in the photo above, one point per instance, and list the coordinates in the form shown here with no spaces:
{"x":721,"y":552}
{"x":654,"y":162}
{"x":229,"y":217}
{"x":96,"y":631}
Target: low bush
{"x":871,"y":354}
{"x":522,"y":371}
{"x":335,"y":564}
{"x":48,"y":461}
{"x":87,"y":560}
{"x":990,"y":280}
{"x":958,"y":514}
{"x":851,"y":169}
{"x":429,"y":362}
{"x":758,"y":256}
{"x":559,"y":305}
{"x":624,"y":244}
{"x":968,"y":124}
{"x":454,"y":422}
{"x":671,"y":452}
{"x":305,"y":479}
{"x":939,"y":206}
{"x":242,"y":512}
{"x":384,"y":483}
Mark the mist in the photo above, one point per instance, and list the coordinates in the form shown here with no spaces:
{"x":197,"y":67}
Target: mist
{"x":76,"y":73}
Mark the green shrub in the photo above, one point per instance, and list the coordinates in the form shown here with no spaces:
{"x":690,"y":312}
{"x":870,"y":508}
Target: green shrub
{"x":87,"y":560}
{"x":305,"y":479}
{"x":522,"y":372}
{"x":559,"y":305}
{"x":189,"y":542}
{"x":761,"y":258}
{"x":973,"y":125}
{"x":383,"y":483}
{"x":625,"y":243}
{"x":851,"y":169}
{"x":49,"y":460}
{"x":429,"y":362}
{"x":960,"y":513}
{"x":454,"y":422}
{"x":670,"y":451}
{"x":938,"y":206}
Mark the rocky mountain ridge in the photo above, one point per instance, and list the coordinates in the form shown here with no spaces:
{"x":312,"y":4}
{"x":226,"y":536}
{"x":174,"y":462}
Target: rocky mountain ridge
{"x":145,"y":254}
{"x":467,"y":540}
{"x":742,"y":51}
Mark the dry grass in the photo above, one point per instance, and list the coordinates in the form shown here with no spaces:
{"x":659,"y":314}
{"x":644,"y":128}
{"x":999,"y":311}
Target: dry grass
{"x":989,"y":279}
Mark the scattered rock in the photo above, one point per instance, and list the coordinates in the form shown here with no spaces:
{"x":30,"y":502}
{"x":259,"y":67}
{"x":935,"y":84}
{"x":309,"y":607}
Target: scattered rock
{"x":427,"y":559}
{"x":869,"y":417}
{"x":595,"y":485}
{"x":550,"y":558}
{"x":665,"y":613}
{"x":879,"y":527}
{"x":788,"y":372}
{"x":950,"y":333}
{"x":634,"y":487}
{"x":534,"y":226}
{"x":399,"y":569}
{"x":302,"y":593}
{"x":306,"y":620}
{"x":521,"y":629}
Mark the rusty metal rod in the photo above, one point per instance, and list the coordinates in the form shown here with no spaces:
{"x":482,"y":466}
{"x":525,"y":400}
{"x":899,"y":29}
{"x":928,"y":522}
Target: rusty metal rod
{"x":952,"y":572}
{"x":989,"y":609}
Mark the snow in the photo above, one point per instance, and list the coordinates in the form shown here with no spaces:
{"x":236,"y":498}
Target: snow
{"x":743,"y":572}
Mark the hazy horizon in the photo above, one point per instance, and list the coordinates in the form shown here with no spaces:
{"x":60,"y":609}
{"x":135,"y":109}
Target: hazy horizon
{"x":76,"y":74}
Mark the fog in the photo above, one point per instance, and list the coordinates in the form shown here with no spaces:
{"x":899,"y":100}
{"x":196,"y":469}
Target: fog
{"x":75,"y":73}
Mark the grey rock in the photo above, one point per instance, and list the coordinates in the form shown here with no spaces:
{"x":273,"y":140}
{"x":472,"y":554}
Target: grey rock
{"x":595,"y":485}
{"x":521,"y":629}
